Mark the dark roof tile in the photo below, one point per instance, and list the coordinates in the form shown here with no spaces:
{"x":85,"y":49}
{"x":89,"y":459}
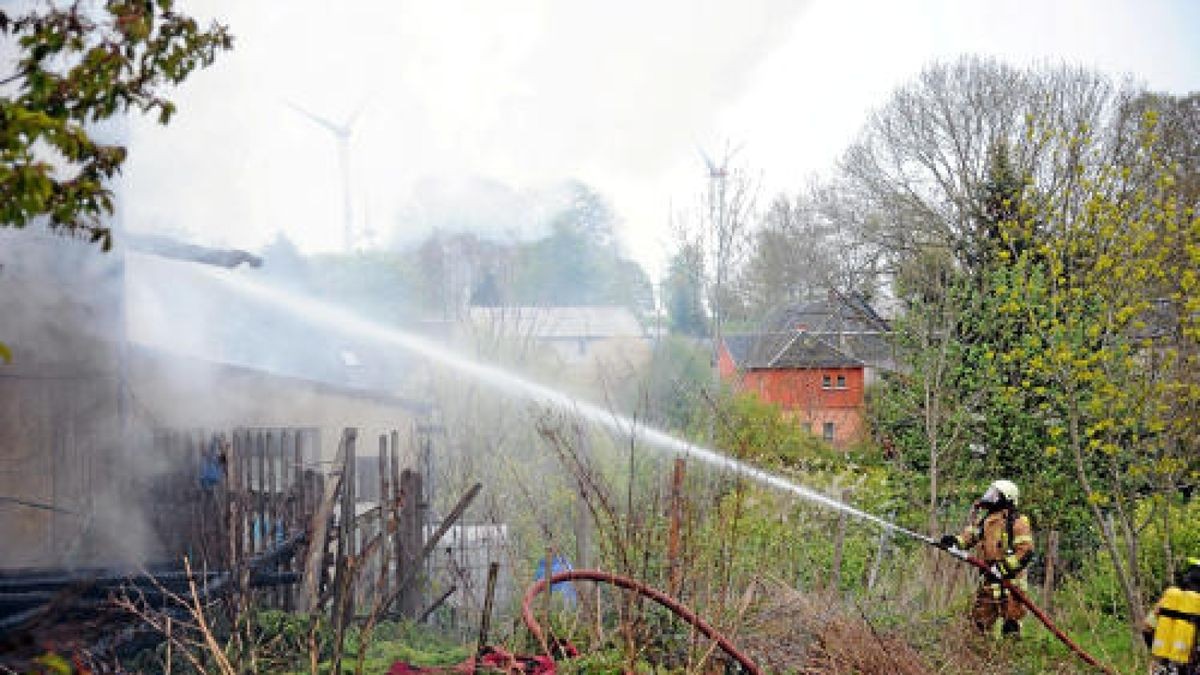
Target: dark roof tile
{"x":794,"y":349}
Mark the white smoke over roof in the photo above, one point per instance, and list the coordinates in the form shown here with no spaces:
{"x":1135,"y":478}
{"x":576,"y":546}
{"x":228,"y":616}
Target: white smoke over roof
{"x":524,"y":95}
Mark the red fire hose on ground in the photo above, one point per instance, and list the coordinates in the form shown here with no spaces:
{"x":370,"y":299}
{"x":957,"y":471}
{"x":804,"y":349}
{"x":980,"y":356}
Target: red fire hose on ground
{"x":729,"y":648}
{"x":1023,"y":598}
{"x":656,"y":595}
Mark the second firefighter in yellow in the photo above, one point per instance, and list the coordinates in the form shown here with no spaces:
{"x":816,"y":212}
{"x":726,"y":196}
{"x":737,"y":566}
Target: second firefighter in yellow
{"x":1003,"y":539}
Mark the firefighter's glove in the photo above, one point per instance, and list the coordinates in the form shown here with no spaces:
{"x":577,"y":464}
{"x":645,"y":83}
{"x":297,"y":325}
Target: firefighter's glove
{"x":997,"y":572}
{"x":948,"y":542}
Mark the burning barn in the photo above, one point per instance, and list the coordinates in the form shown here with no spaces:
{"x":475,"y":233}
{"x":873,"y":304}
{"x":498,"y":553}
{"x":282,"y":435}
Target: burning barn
{"x":109,"y":349}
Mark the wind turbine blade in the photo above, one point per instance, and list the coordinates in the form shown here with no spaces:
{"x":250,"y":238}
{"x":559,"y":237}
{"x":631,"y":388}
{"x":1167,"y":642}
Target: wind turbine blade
{"x":712,"y":168}
{"x":730,"y":154}
{"x":317,"y":119}
{"x":348,"y":126}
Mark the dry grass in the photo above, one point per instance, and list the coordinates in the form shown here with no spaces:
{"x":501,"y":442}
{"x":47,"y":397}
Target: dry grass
{"x":789,"y":631}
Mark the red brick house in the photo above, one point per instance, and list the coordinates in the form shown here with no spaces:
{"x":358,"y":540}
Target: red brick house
{"x":811,"y":380}
{"x":815,"y":361}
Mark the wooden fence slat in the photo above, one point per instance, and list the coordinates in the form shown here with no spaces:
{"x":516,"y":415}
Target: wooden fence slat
{"x":270,"y":535}
{"x":228,"y":495}
{"x":343,"y":587}
{"x":260,"y":458}
{"x":287,"y":482}
{"x":409,"y":529}
{"x":349,"y":512}
{"x":233,"y":531}
{"x":247,"y":489}
{"x":181,"y":509}
{"x":397,"y":540}
{"x":302,"y":496}
{"x":315,"y":564}
{"x":384,"y":514}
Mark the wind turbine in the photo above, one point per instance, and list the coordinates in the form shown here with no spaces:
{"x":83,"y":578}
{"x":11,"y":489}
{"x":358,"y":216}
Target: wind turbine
{"x":342,"y":134}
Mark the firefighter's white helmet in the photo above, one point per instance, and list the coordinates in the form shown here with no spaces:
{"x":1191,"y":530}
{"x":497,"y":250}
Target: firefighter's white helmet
{"x":1001,"y":491}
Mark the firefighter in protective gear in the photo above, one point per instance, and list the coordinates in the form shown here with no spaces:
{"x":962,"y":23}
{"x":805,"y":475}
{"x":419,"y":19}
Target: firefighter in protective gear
{"x":1004,"y":540}
{"x":1170,"y":627}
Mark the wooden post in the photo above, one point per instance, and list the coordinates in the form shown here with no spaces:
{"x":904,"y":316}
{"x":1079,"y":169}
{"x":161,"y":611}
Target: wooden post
{"x":397,"y":496}
{"x":343,"y":584}
{"x":1051,"y":563}
{"x":233,"y":496}
{"x":411,"y":571}
{"x":486,"y":619}
{"x":272,"y":444}
{"x":220,"y":504}
{"x":301,"y":481}
{"x":885,"y":534}
{"x":314,"y":565}
{"x":247,"y":493}
{"x":839,"y":539}
{"x":260,"y":458}
{"x":425,"y":459}
{"x":674,"y":537}
{"x":288,"y":483}
{"x":385,"y":516}
{"x":349,"y":506}
{"x":410,"y":531}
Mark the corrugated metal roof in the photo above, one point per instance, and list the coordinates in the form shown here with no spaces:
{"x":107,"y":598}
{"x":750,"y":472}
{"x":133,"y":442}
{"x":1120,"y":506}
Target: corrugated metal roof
{"x":175,"y":307}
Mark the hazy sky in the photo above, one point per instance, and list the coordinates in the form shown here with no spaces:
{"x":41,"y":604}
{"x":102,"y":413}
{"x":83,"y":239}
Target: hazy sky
{"x":619,"y":94}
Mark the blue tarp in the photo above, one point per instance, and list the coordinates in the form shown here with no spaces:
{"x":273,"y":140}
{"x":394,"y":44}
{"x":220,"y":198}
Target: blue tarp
{"x":560,"y":564}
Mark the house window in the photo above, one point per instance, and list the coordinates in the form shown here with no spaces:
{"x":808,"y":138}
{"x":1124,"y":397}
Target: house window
{"x":827,"y":382}
{"x":827,"y":432}
{"x":841,"y":381}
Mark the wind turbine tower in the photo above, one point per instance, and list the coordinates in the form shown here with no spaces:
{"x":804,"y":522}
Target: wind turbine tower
{"x":342,"y":133}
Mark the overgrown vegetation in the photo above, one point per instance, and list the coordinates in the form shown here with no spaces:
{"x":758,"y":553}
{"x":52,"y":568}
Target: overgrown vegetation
{"x":1044,"y":259}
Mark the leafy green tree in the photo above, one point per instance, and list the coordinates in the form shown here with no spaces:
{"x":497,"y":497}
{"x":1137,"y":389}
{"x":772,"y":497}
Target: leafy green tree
{"x":1108,"y":306}
{"x":579,"y":262}
{"x":684,"y":293}
{"x":77,"y":66}
{"x":999,"y":202}
{"x":924,"y":410}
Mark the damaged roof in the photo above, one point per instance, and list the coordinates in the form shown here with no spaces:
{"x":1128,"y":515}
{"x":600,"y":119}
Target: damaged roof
{"x":176,"y":307}
{"x":794,"y":349}
{"x":837,"y":313}
{"x":844,"y":322}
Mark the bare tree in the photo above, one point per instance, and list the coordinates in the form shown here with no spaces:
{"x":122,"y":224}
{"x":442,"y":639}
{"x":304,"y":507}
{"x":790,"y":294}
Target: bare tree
{"x":721,"y":232}
{"x":921,"y":160}
{"x":804,"y":247}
